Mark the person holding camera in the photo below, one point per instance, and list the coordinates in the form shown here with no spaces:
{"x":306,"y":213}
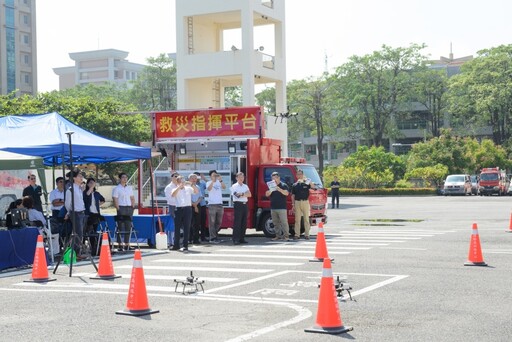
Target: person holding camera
{"x":240,"y":193}
{"x":215,"y":208}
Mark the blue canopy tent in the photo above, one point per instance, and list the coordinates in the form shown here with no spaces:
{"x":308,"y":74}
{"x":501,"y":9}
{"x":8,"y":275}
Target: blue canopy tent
{"x":44,"y":135}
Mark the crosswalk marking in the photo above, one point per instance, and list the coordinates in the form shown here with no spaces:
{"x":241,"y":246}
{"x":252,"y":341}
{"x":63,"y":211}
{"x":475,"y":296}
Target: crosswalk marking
{"x":206,"y":268}
{"x":230,"y":262}
{"x":162,"y":277}
{"x":273,"y":257}
{"x":276,"y":251}
{"x":308,"y":246}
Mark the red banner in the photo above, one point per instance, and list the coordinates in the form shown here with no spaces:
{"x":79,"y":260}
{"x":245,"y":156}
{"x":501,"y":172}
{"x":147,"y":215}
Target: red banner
{"x":222,"y":122}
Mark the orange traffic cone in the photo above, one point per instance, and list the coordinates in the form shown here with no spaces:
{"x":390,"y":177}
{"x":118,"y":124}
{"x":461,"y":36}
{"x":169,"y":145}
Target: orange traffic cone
{"x":137,"y":303}
{"x":39,"y":267}
{"x":106,"y":269}
{"x":328,"y":317}
{"x":510,"y":224}
{"x":475,"y":251}
{"x":321,"y":246}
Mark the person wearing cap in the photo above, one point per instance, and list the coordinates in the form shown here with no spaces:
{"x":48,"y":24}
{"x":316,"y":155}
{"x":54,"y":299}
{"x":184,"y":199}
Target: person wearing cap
{"x":300,"y":203}
{"x":240,"y":193}
{"x":215,"y":208}
{"x":278,"y":207}
{"x":34,"y":191}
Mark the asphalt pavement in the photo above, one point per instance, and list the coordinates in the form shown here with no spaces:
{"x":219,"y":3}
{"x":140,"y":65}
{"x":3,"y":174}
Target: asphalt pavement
{"x":402,"y":257}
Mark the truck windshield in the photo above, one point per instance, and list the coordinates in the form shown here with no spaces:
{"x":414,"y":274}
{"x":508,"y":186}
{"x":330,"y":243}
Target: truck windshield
{"x":488,"y":176}
{"x":310,"y":172}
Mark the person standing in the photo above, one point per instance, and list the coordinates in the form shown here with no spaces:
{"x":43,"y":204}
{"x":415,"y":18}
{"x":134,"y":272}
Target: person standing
{"x":57,"y":197}
{"x":183,"y":195}
{"x":335,"y":192}
{"x":171,"y":203}
{"x":195,"y":226}
{"x":240,"y":193}
{"x":278,"y":207}
{"x":201,"y":184}
{"x":34,"y":191}
{"x":215,"y":208}
{"x":92,"y":200}
{"x":300,"y":203}
{"x":75,"y":207}
{"x":124,"y":201}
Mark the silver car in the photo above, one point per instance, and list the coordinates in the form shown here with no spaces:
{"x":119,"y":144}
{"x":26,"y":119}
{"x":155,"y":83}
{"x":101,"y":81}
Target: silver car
{"x":457,"y":185}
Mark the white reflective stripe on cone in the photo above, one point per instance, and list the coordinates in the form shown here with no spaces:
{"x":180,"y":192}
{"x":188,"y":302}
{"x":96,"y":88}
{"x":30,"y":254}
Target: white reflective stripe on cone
{"x":137,"y":263}
{"x":320,"y":230}
{"x":104,"y":242}
{"x":327,"y":273}
{"x":39,"y":245}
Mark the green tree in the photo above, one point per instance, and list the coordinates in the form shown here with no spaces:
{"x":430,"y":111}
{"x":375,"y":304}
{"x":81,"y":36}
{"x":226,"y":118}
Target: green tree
{"x":481,"y":94}
{"x":375,"y":160}
{"x":97,"y":116}
{"x":313,"y":101}
{"x":156,"y":87}
{"x":432,"y":175}
{"x":447,"y":149}
{"x":372,"y":88}
{"x":430,"y":90}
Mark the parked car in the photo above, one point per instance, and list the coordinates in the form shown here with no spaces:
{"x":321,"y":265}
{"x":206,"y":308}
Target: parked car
{"x":509,"y":191}
{"x":474,"y":184}
{"x":457,"y":185}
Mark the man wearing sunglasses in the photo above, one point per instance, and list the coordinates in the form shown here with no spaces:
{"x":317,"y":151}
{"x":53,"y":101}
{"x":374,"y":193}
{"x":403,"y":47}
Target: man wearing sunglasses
{"x":34,"y":191}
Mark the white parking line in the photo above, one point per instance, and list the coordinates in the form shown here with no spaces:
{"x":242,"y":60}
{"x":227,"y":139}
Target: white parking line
{"x":230,"y":262}
{"x":162,"y":277}
{"x":309,"y":246}
{"x":404,"y":248}
{"x":196,"y":268}
{"x":256,"y":256}
{"x":276,"y":251}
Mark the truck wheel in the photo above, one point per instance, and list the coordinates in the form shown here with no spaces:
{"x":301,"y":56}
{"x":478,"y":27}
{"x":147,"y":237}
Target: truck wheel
{"x":267,"y":226}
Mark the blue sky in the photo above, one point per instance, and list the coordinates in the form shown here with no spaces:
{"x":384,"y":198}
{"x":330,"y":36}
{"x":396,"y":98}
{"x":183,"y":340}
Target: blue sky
{"x":337,"y":29}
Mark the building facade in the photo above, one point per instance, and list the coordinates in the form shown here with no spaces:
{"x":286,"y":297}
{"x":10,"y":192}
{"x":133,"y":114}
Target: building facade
{"x":217,"y":49}
{"x":98,"y":67}
{"x":18,"y":49}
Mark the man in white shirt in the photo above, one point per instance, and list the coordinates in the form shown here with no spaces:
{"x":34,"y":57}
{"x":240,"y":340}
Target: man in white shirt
{"x":240,"y":193}
{"x":75,"y":206}
{"x":57,"y":197}
{"x":171,"y":202}
{"x":215,"y":208}
{"x":124,"y":201}
{"x":183,"y":195}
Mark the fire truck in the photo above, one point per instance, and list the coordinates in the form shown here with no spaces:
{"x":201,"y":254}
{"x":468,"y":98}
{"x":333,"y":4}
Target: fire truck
{"x":230,"y":140}
{"x":493,"y":181}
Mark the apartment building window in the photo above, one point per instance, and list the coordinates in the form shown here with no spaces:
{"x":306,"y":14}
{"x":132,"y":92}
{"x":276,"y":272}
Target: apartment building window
{"x":26,"y":60}
{"x":26,"y":19}
{"x":127,"y":75}
{"x":134,"y":75}
{"x":26,"y":79}
{"x":84,"y":76}
{"x":26,"y":39}
{"x":116,"y":74}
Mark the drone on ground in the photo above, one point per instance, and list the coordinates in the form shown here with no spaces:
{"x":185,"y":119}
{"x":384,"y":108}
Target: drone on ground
{"x":191,"y":281}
